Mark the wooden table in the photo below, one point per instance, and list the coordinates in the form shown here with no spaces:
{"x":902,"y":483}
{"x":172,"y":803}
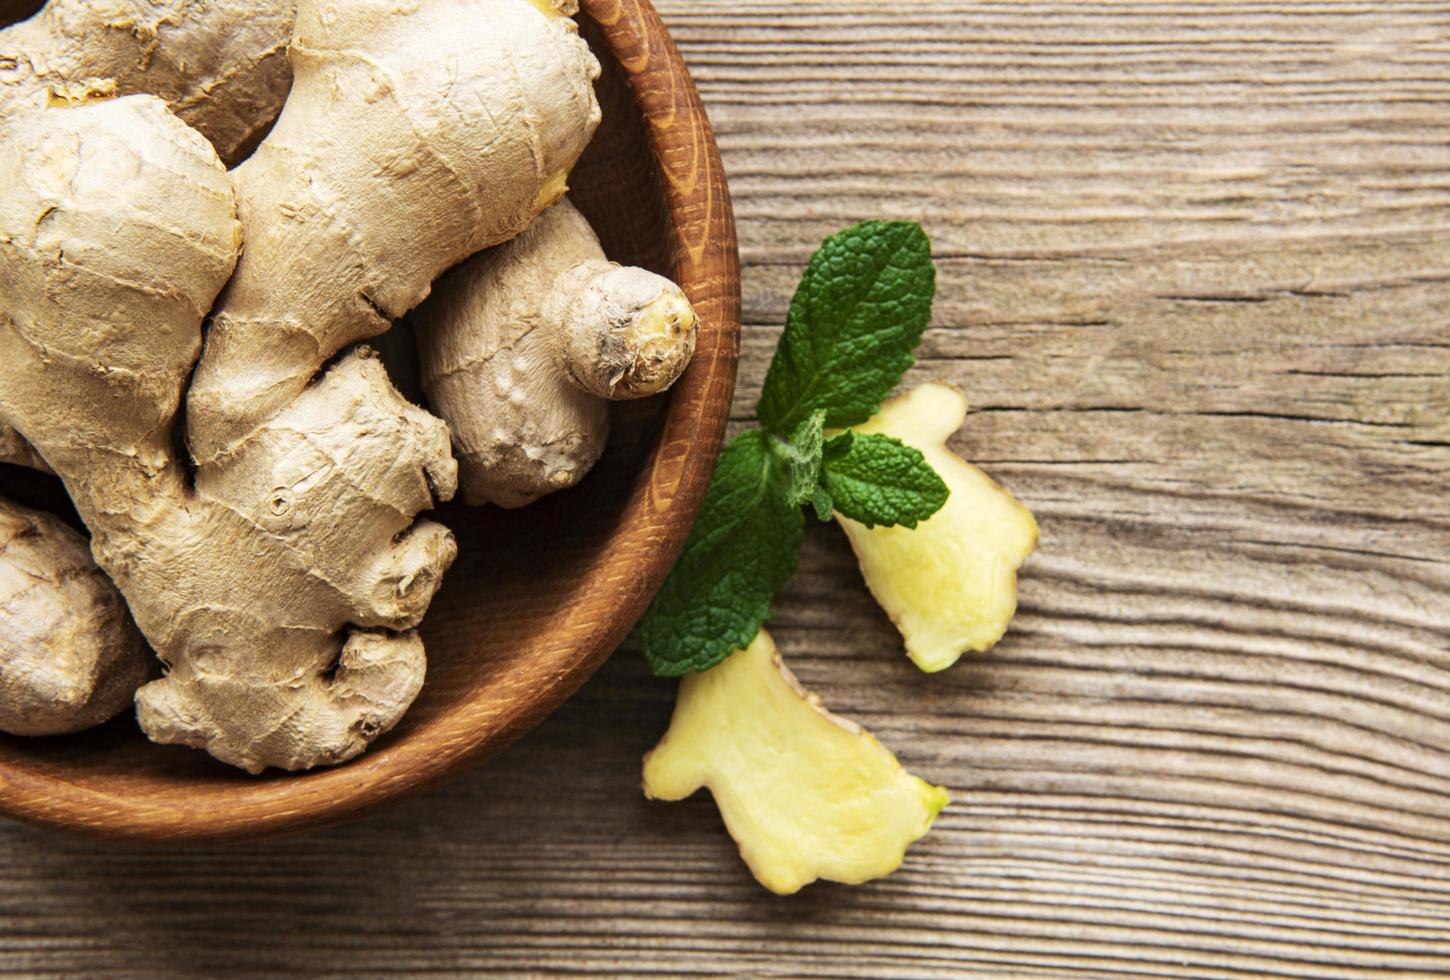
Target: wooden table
{"x":1195,"y":279}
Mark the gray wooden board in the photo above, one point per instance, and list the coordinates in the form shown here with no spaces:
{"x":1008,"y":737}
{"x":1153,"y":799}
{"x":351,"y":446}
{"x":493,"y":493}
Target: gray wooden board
{"x":1195,"y":279}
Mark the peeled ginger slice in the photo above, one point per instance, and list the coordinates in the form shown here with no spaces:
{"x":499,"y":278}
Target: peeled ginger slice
{"x":804,"y":793}
{"x":950,"y":583}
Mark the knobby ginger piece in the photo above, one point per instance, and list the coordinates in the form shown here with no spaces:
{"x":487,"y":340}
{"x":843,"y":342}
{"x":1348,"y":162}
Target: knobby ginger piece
{"x":805,"y":794}
{"x":17,"y":452}
{"x":415,"y":135}
{"x":281,"y":576}
{"x":221,"y":65}
{"x":523,"y":346}
{"x":950,"y":583}
{"x":281,"y":588}
{"x":70,"y":656}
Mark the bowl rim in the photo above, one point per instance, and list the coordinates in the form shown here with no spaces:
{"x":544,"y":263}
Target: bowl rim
{"x":660,"y":511}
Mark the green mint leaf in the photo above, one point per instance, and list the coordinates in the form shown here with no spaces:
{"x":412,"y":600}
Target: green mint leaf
{"x":739,"y":554}
{"x":798,"y":461}
{"x":854,"y":321}
{"x":822,"y":504}
{"x":882,"y":481}
{"x":838,"y":446}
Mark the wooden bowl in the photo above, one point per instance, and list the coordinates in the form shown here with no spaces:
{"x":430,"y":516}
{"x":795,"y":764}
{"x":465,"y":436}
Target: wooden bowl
{"x":539,"y":597}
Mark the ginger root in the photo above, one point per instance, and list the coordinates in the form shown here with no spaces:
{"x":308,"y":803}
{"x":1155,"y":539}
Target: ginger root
{"x":415,"y":135}
{"x":804,"y":793}
{"x":281,"y":581}
{"x":17,"y":452}
{"x":949,"y":584}
{"x":522,"y":345}
{"x":117,"y":231}
{"x":70,"y":656}
{"x":221,"y":65}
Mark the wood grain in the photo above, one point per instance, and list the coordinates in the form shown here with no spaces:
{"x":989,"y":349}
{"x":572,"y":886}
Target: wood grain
{"x":1195,"y":279}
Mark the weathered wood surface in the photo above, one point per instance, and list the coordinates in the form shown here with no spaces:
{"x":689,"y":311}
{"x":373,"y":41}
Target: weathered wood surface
{"x":1196,"y":281}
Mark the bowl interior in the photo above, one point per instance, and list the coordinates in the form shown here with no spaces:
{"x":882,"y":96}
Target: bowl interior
{"x":538,"y":596}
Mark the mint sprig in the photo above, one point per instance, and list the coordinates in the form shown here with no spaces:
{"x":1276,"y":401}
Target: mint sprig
{"x":854,"y":322}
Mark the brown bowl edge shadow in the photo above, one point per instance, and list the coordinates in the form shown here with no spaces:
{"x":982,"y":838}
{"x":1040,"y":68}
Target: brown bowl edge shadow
{"x":657,"y":514}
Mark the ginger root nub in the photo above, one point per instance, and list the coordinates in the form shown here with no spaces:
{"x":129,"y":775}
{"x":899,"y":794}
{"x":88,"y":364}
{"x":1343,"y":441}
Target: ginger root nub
{"x":221,"y":65}
{"x":70,"y":657}
{"x":522,"y":345}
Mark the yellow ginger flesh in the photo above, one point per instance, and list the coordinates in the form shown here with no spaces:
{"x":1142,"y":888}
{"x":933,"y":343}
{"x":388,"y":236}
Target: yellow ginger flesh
{"x":806,"y":794}
{"x":949,"y":584}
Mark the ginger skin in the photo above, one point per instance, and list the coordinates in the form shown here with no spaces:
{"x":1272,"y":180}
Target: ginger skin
{"x":411,"y":140}
{"x":521,"y":347}
{"x":70,"y":656}
{"x":17,"y":452}
{"x":221,"y":65}
{"x":805,"y":794}
{"x":281,"y":583}
{"x":275,"y":589}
